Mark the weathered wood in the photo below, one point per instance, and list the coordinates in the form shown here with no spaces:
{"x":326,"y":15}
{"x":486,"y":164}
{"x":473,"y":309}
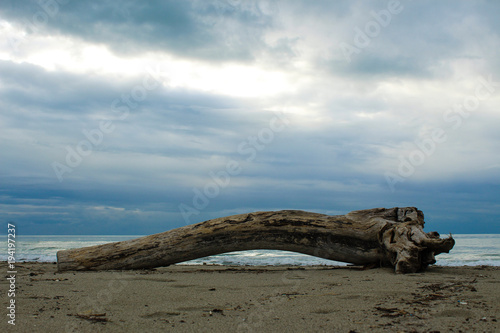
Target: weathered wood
{"x":378,"y":236}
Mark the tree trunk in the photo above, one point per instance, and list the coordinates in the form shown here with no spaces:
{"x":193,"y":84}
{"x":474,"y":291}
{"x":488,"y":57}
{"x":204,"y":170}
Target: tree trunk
{"x":377,"y":236}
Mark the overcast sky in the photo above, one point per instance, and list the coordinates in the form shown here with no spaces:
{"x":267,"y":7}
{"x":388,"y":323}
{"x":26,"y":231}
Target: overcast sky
{"x":136,"y":117}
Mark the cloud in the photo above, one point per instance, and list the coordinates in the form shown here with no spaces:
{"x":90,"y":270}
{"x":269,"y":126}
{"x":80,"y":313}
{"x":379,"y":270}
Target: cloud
{"x":210,"y":30}
{"x":188,"y":87}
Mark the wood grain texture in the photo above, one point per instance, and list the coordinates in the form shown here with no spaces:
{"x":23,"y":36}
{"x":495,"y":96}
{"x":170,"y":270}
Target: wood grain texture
{"x":377,"y":236}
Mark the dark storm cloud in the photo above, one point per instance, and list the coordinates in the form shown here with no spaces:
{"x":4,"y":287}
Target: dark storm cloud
{"x":43,"y":91}
{"x":76,"y":97}
{"x":47,"y":111}
{"x":220,"y":30}
{"x":330,"y":158}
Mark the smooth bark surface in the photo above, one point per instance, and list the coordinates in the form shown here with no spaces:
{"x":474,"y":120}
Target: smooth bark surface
{"x":376,"y":236}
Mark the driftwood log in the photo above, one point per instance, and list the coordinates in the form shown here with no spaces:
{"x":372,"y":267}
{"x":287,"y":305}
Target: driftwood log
{"x":381,"y":237}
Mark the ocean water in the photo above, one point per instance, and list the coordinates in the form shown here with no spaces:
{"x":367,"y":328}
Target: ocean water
{"x":469,"y":250}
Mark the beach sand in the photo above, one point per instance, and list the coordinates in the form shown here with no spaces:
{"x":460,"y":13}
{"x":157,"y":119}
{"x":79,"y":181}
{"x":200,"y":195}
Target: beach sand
{"x":184,"y":298}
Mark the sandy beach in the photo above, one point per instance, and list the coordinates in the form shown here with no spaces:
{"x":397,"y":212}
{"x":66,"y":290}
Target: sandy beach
{"x":184,"y":298}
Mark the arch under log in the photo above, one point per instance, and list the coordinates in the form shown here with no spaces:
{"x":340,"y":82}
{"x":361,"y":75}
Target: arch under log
{"x":377,"y":236}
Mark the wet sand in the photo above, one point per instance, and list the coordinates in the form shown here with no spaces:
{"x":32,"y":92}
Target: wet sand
{"x":184,"y":298}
